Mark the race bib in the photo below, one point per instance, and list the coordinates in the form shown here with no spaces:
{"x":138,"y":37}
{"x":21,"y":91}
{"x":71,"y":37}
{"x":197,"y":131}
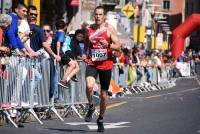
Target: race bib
{"x":99,"y":54}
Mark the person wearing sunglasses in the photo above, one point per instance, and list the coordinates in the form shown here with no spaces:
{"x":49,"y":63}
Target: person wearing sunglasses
{"x":25,"y":33}
{"x":37,"y":41}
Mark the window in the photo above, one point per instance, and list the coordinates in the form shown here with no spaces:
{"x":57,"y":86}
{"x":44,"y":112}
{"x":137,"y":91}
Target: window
{"x":166,"y":4}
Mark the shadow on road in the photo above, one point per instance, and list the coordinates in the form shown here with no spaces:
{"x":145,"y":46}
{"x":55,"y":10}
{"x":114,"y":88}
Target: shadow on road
{"x":72,"y":130}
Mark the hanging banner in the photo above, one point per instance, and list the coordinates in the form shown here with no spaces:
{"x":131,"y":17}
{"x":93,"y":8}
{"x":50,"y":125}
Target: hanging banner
{"x":160,"y":40}
{"x":142,"y":33}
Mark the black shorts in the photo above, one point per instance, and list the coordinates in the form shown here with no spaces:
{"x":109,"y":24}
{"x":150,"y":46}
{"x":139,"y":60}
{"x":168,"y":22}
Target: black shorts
{"x":66,"y":58}
{"x":104,"y":76}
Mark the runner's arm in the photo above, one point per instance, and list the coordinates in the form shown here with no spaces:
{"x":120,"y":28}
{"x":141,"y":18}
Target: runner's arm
{"x":116,"y":45}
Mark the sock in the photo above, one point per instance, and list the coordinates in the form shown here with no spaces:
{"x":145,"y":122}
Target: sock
{"x":100,"y":117}
{"x":66,"y":79}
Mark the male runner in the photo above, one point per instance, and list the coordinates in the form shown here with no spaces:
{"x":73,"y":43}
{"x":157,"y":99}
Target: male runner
{"x":102,"y":39}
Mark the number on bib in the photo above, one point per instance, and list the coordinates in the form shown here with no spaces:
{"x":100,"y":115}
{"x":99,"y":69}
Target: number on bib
{"x":99,"y":54}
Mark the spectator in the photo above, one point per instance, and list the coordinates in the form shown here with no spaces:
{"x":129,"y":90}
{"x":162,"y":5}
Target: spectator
{"x":78,"y":44}
{"x":24,"y":33}
{"x":11,"y":36}
{"x":37,"y":42}
{"x":5,"y":21}
{"x":66,"y":56}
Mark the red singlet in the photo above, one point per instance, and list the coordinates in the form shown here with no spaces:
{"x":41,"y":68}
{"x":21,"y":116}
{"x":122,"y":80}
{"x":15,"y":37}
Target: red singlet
{"x":99,"y":56}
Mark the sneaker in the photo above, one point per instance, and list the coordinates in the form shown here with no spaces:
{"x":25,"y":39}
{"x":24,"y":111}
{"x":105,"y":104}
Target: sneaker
{"x":63,"y":84}
{"x":74,"y":78}
{"x":35,"y":103}
{"x":25,"y":104}
{"x":100,"y":126}
{"x":89,"y":114}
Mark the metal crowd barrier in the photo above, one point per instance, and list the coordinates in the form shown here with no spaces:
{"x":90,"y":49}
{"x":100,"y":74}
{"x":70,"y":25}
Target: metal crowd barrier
{"x":197,"y":69}
{"x":160,"y":79}
{"x":25,"y":86}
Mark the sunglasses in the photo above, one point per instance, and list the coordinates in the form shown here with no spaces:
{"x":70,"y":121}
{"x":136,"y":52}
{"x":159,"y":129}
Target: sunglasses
{"x":45,"y":30}
{"x":33,"y":14}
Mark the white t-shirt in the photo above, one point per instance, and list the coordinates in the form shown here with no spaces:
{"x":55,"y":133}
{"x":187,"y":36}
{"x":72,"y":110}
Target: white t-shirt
{"x":24,"y":27}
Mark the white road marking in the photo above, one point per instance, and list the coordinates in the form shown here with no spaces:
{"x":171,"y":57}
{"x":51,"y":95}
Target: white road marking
{"x":93,"y":126}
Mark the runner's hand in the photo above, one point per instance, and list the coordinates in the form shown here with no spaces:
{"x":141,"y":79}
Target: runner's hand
{"x":104,"y":42}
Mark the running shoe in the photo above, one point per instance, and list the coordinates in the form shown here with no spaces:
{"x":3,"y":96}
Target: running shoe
{"x":89,"y":114}
{"x":74,"y":78}
{"x":63,"y":84}
{"x":100,"y":126}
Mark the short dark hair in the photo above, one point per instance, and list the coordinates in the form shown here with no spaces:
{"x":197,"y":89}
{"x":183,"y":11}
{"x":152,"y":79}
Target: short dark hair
{"x":18,"y":5}
{"x":60,"y":24}
{"x":32,"y":7}
{"x":79,"y":31}
{"x":100,"y":7}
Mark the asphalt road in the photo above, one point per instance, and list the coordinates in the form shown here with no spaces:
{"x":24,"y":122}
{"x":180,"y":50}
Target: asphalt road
{"x":170,"y":111}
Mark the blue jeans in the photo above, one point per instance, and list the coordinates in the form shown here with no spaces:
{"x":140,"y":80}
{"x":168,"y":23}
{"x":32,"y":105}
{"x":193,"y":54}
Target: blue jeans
{"x":149,"y":74}
{"x":139,"y":73}
{"x":53,"y":80}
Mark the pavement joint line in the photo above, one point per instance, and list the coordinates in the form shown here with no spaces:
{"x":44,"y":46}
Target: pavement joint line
{"x":187,"y":90}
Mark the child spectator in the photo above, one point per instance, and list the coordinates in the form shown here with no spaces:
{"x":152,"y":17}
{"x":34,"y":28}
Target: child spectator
{"x":78,"y":45}
{"x":66,"y":58}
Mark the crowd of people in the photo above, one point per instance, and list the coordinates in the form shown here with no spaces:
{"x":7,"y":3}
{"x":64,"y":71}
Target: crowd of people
{"x":96,"y":44}
{"x":140,"y":63}
{"x":22,"y":37}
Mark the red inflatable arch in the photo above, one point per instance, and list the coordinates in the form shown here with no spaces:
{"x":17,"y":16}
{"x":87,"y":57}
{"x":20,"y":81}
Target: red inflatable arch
{"x":181,"y":32}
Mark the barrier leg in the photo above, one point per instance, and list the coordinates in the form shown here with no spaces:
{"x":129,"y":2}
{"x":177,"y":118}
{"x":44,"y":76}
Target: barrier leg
{"x":134,"y":89}
{"x":139,"y":89}
{"x":73,"y":108}
{"x":35,"y":115}
{"x":5,"y":112}
{"x":55,"y":111}
{"x":153,"y":87}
